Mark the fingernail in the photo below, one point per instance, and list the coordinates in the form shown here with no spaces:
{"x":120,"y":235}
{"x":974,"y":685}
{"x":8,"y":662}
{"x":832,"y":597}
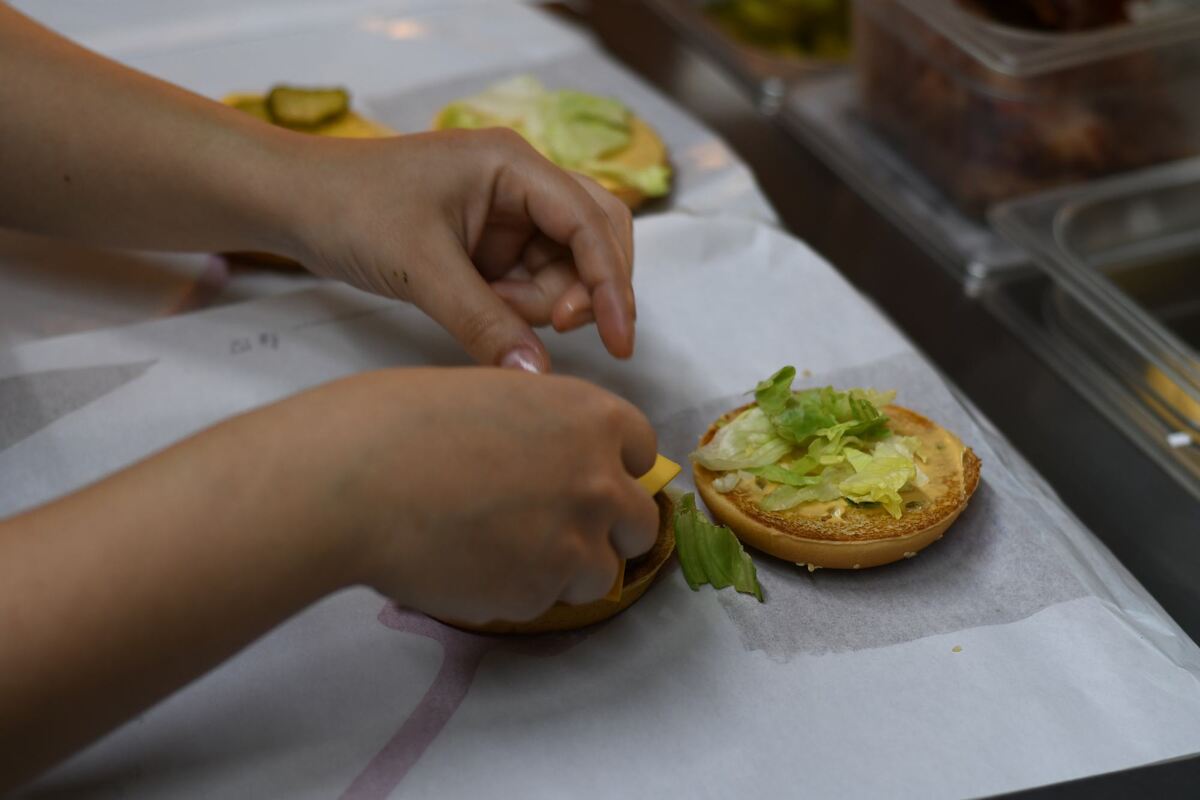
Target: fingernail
{"x":521,"y":358}
{"x":576,"y":311}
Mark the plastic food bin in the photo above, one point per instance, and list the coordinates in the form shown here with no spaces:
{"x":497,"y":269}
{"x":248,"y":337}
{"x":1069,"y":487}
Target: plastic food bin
{"x":1124,"y":258}
{"x":989,"y":112}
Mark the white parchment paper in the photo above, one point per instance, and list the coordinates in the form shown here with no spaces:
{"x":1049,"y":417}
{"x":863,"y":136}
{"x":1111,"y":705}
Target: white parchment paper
{"x":1015,"y":652}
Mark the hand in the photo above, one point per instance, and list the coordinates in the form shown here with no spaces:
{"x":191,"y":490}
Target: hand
{"x":471,"y":494}
{"x":477,"y":494}
{"x":478,"y":230}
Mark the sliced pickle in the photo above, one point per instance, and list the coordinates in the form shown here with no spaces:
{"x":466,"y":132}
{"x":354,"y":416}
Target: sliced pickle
{"x":306,"y":108}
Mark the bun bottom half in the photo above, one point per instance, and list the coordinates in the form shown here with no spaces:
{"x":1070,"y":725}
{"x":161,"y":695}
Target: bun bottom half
{"x":858,"y":537}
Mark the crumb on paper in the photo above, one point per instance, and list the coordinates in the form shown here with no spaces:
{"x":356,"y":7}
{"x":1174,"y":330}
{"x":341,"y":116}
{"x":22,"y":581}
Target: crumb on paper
{"x":806,"y":373}
{"x":909,"y":554}
{"x":811,"y":567}
{"x":956,"y":649}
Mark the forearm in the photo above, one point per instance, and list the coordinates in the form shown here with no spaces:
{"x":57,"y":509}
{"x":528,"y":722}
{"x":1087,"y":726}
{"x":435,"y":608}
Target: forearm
{"x":113,"y":597}
{"x":94,"y":151}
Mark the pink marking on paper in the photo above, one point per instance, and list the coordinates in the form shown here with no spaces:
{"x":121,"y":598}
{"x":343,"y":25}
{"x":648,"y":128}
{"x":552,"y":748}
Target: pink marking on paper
{"x":462,"y":653}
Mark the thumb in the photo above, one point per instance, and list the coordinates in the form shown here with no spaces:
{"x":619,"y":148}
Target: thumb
{"x":461,"y":301}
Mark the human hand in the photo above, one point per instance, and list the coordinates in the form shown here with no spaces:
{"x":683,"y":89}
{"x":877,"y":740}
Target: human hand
{"x":475,"y":228}
{"x":476,"y":494}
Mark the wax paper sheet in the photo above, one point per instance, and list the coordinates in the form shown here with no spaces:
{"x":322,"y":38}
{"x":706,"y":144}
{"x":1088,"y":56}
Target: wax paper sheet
{"x":1016,"y":652}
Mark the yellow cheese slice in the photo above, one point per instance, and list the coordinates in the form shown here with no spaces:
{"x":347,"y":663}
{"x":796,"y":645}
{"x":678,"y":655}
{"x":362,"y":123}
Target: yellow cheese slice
{"x":662,"y":473}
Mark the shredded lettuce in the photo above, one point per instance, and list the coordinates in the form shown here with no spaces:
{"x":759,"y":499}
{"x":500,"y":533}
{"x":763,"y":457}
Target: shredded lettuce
{"x":795,"y":474}
{"x":878,"y":478}
{"x":772,"y":395}
{"x":817,"y":445}
{"x":745,"y":442}
{"x":711,"y":554}
{"x":826,"y":489}
{"x":573,"y":129}
{"x":652,"y":181}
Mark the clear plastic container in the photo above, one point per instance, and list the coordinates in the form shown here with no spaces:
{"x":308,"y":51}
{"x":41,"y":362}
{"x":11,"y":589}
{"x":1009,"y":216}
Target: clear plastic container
{"x":990,"y":112}
{"x":1124,"y":257}
{"x":765,"y":73}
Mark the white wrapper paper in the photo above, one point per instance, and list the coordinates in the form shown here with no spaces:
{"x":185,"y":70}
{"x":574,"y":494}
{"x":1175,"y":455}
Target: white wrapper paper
{"x":1014,"y":653}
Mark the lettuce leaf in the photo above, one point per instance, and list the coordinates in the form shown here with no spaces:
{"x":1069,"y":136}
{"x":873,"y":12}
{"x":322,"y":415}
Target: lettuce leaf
{"x":573,"y":129}
{"x":745,"y":442}
{"x":795,"y":474}
{"x":578,"y":128}
{"x":825,"y":490}
{"x":878,"y":477}
{"x":772,"y":395}
{"x":711,"y":554}
{"x":652,"y":181}
{"x":817,"y":445}
{"x":798,"y":416}
{"x":508,"y":103}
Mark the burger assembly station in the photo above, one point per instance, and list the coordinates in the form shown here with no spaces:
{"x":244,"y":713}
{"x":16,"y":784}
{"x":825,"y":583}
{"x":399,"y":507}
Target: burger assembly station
{"x":918,"y":333}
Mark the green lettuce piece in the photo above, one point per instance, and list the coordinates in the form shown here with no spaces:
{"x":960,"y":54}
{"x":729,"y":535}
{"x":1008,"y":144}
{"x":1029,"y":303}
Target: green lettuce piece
{"x":792,"y":475}
{"x":458,"y":115}
{"x":826,"y":489}
{"x":816,"y":445}
{"x":711,"y":553}
{"x":579,"y":128}
{"x":804,"y":414}
{"x":509,"y":103}
{"x":772,"y":395}
{"x":798,"y":416}
{"x":652,"y":181}
{"x":573,"y":129}
{"x":878,"y":477}
{"x":746,"y":442}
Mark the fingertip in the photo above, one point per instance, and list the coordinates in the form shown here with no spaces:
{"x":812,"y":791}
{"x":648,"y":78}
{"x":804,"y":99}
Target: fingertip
{"x":614,"y":318}
{"x":526,"y":357}
{"x":573,"y":309}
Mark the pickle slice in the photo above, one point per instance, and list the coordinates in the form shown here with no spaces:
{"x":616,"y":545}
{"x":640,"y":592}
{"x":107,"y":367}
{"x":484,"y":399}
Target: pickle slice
{"x":306,"y":108}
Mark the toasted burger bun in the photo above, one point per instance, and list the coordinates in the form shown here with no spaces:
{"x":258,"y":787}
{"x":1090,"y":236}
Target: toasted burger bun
{"x":645,"y":149}
{"x":839,"y":535}
{"x":639,"y":574}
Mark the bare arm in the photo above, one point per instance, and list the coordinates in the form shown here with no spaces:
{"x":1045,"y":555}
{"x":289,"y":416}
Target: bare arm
{"x":476,"y":228}
{"x":97,"y":152}
{"x":118,"y":594}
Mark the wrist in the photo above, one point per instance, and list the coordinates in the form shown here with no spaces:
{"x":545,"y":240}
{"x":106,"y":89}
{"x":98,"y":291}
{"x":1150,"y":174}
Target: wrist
{"x":301,"y":202}
{"x":273,"y":190}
